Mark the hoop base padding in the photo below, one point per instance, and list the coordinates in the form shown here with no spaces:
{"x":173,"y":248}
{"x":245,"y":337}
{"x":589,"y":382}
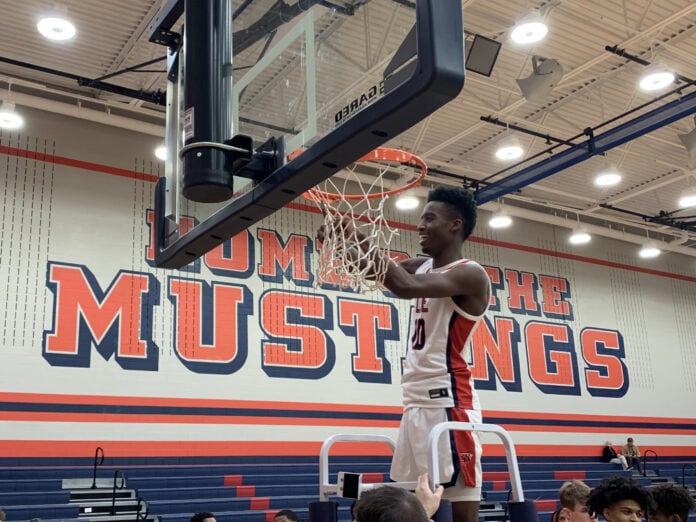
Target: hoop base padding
{"x":323,"y":511}
{"x":523,"y":511}
{"x":444,"y":512}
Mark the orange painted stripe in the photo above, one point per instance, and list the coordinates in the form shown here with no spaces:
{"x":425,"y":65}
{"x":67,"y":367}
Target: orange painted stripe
{"x":45,"y":398}
{"x":191,"y":419}
{"x":569,"y":475}
{"x":260,"y":503}
{"x":232,"y":480}
{"x":246,"y":491}
{"x":77,"y":448}
{"x":78,"y":164}
{"x":373,"y":478}
{"x":499,"y":485}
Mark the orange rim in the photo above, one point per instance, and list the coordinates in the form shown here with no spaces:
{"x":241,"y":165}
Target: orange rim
{"x":379,"y":154}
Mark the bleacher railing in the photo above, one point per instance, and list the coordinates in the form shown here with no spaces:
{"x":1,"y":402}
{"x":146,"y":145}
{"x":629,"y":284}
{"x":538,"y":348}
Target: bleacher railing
{"x":645,"y":460}
{"x":98,"y":461}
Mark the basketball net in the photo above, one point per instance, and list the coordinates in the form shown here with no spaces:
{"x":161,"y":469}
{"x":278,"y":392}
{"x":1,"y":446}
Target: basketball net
{"x":351,"y":259}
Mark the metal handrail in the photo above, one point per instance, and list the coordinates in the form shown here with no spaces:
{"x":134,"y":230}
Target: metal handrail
{"x":117,"y":474}
{"x":645,"y":460}
{"x":326,"y":487}
{"x":98,"y":461}
{"x":140,"y":515}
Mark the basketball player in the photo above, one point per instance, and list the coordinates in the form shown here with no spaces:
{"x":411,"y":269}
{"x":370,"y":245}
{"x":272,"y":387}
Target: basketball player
{"x":451,"y":294}
{"x":619,"y":499}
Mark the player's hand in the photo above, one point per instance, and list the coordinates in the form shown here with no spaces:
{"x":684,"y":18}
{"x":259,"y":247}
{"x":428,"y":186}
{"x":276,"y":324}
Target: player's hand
{"x":428,"y":498}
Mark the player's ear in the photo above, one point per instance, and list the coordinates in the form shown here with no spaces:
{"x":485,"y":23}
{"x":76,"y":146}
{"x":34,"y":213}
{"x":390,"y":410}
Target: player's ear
{"x":456,"y":225}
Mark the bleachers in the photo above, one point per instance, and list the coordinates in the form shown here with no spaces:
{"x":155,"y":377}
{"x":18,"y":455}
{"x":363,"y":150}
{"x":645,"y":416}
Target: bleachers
{"x":253,"y":489}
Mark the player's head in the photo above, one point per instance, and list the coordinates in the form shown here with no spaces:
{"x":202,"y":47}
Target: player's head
{"x":671,"y":503}
{"x":203,"y":516}
{"x":619,"y":499}
{"x":389,"y":504}
{"x":573,"y":496}
{"x":285,"y":515}
{"x":460,"y":204}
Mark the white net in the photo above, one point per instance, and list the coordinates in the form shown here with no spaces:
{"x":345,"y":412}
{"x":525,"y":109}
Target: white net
{"x":358,"y":256}
{"x":349,"y":256}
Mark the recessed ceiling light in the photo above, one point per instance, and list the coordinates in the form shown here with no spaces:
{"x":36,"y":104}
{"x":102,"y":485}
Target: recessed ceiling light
{"x":687,"y":200}
{"x":509,"y":149}
{"x":500,"y":220}
{"x":530,"y":29}
{"x":579,"y":237}
{"x":407,"y":201}
{"x":9,"y":119}
{"x":655,"y":79}
{"x":607,"y":179}
{"x":55,"y":28}
{"x":649,"y":251}
{"x":161,"y":152}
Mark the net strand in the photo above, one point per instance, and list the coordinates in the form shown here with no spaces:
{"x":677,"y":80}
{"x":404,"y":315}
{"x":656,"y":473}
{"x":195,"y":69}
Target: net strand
{"x":352,"y":260}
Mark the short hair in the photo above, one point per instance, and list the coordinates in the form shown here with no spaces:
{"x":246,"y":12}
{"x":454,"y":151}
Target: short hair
{"x":462,"y":203}
{"x":670,"y":499}
{"x":200,"y":517}
{"x":389,"y":504}
{"x":288,"y":513}
{"x":615,"y":489}
{"x":573,"y":493}
{"x":629,"y":439}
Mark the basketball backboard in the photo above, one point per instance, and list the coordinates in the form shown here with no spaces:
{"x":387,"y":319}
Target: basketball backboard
{"x":322,"y":83}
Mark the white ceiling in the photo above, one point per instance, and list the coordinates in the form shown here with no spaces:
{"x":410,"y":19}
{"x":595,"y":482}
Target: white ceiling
{"x":597,"y":86}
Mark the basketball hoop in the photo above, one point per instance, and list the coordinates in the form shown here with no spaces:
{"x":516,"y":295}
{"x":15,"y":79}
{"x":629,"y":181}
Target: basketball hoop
{"x":361,"y":197}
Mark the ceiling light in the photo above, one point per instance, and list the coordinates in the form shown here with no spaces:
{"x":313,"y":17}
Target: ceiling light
{"x":687,"y":200}
{"x":607,"y":178}
{"x":580,"y":236}
{"x":161,"y":152}
{"x":54,"y":28}
{"x":407,"y":201}
{"x":529,"y":30}
{"x":649,"y":251}
{"x":9,"y":119}
{"x":509,"y":149}
{"x":656,"y":78}
{"x":500,"y":219}
{"x":545,"y":76}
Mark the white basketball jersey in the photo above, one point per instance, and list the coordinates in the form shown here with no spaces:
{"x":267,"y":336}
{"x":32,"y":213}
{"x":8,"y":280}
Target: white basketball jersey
{"x":435,"y":371}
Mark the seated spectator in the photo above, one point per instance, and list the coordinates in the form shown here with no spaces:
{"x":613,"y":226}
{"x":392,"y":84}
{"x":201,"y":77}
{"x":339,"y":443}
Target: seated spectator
{"x":2,"y":516}
{"x":391,"y":504}
{"x":619,"y":499}
{"x":672,"y":503}
{"x":609,"y":455}
{"x":573,"y":496}
{"x":632,"y":454}
{"x":203,"y":516}
{"x":285,"y":515}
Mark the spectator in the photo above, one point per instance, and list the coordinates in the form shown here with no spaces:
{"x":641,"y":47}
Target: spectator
{"x":672,"y":503}
{"x":390,"y":504}
{"x":285,"y":515}
{"x":609,"y":455}
{"x":573,"y":496}
{"x":632,"y":454}
{"x":619,"y":499}
{"x":203,"y":516}
{"x":2,"y":516}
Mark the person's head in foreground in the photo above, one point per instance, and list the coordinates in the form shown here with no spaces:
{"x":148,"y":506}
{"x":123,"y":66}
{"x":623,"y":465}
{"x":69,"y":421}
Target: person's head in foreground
{"x":573,"y":496}
{"x":619,"y":499}
{"x":203,"y":516}
{"x":448,"y":217}
{"x":285,"y":515}
{"x":671,"y":503}
{"x":389,"y":504}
